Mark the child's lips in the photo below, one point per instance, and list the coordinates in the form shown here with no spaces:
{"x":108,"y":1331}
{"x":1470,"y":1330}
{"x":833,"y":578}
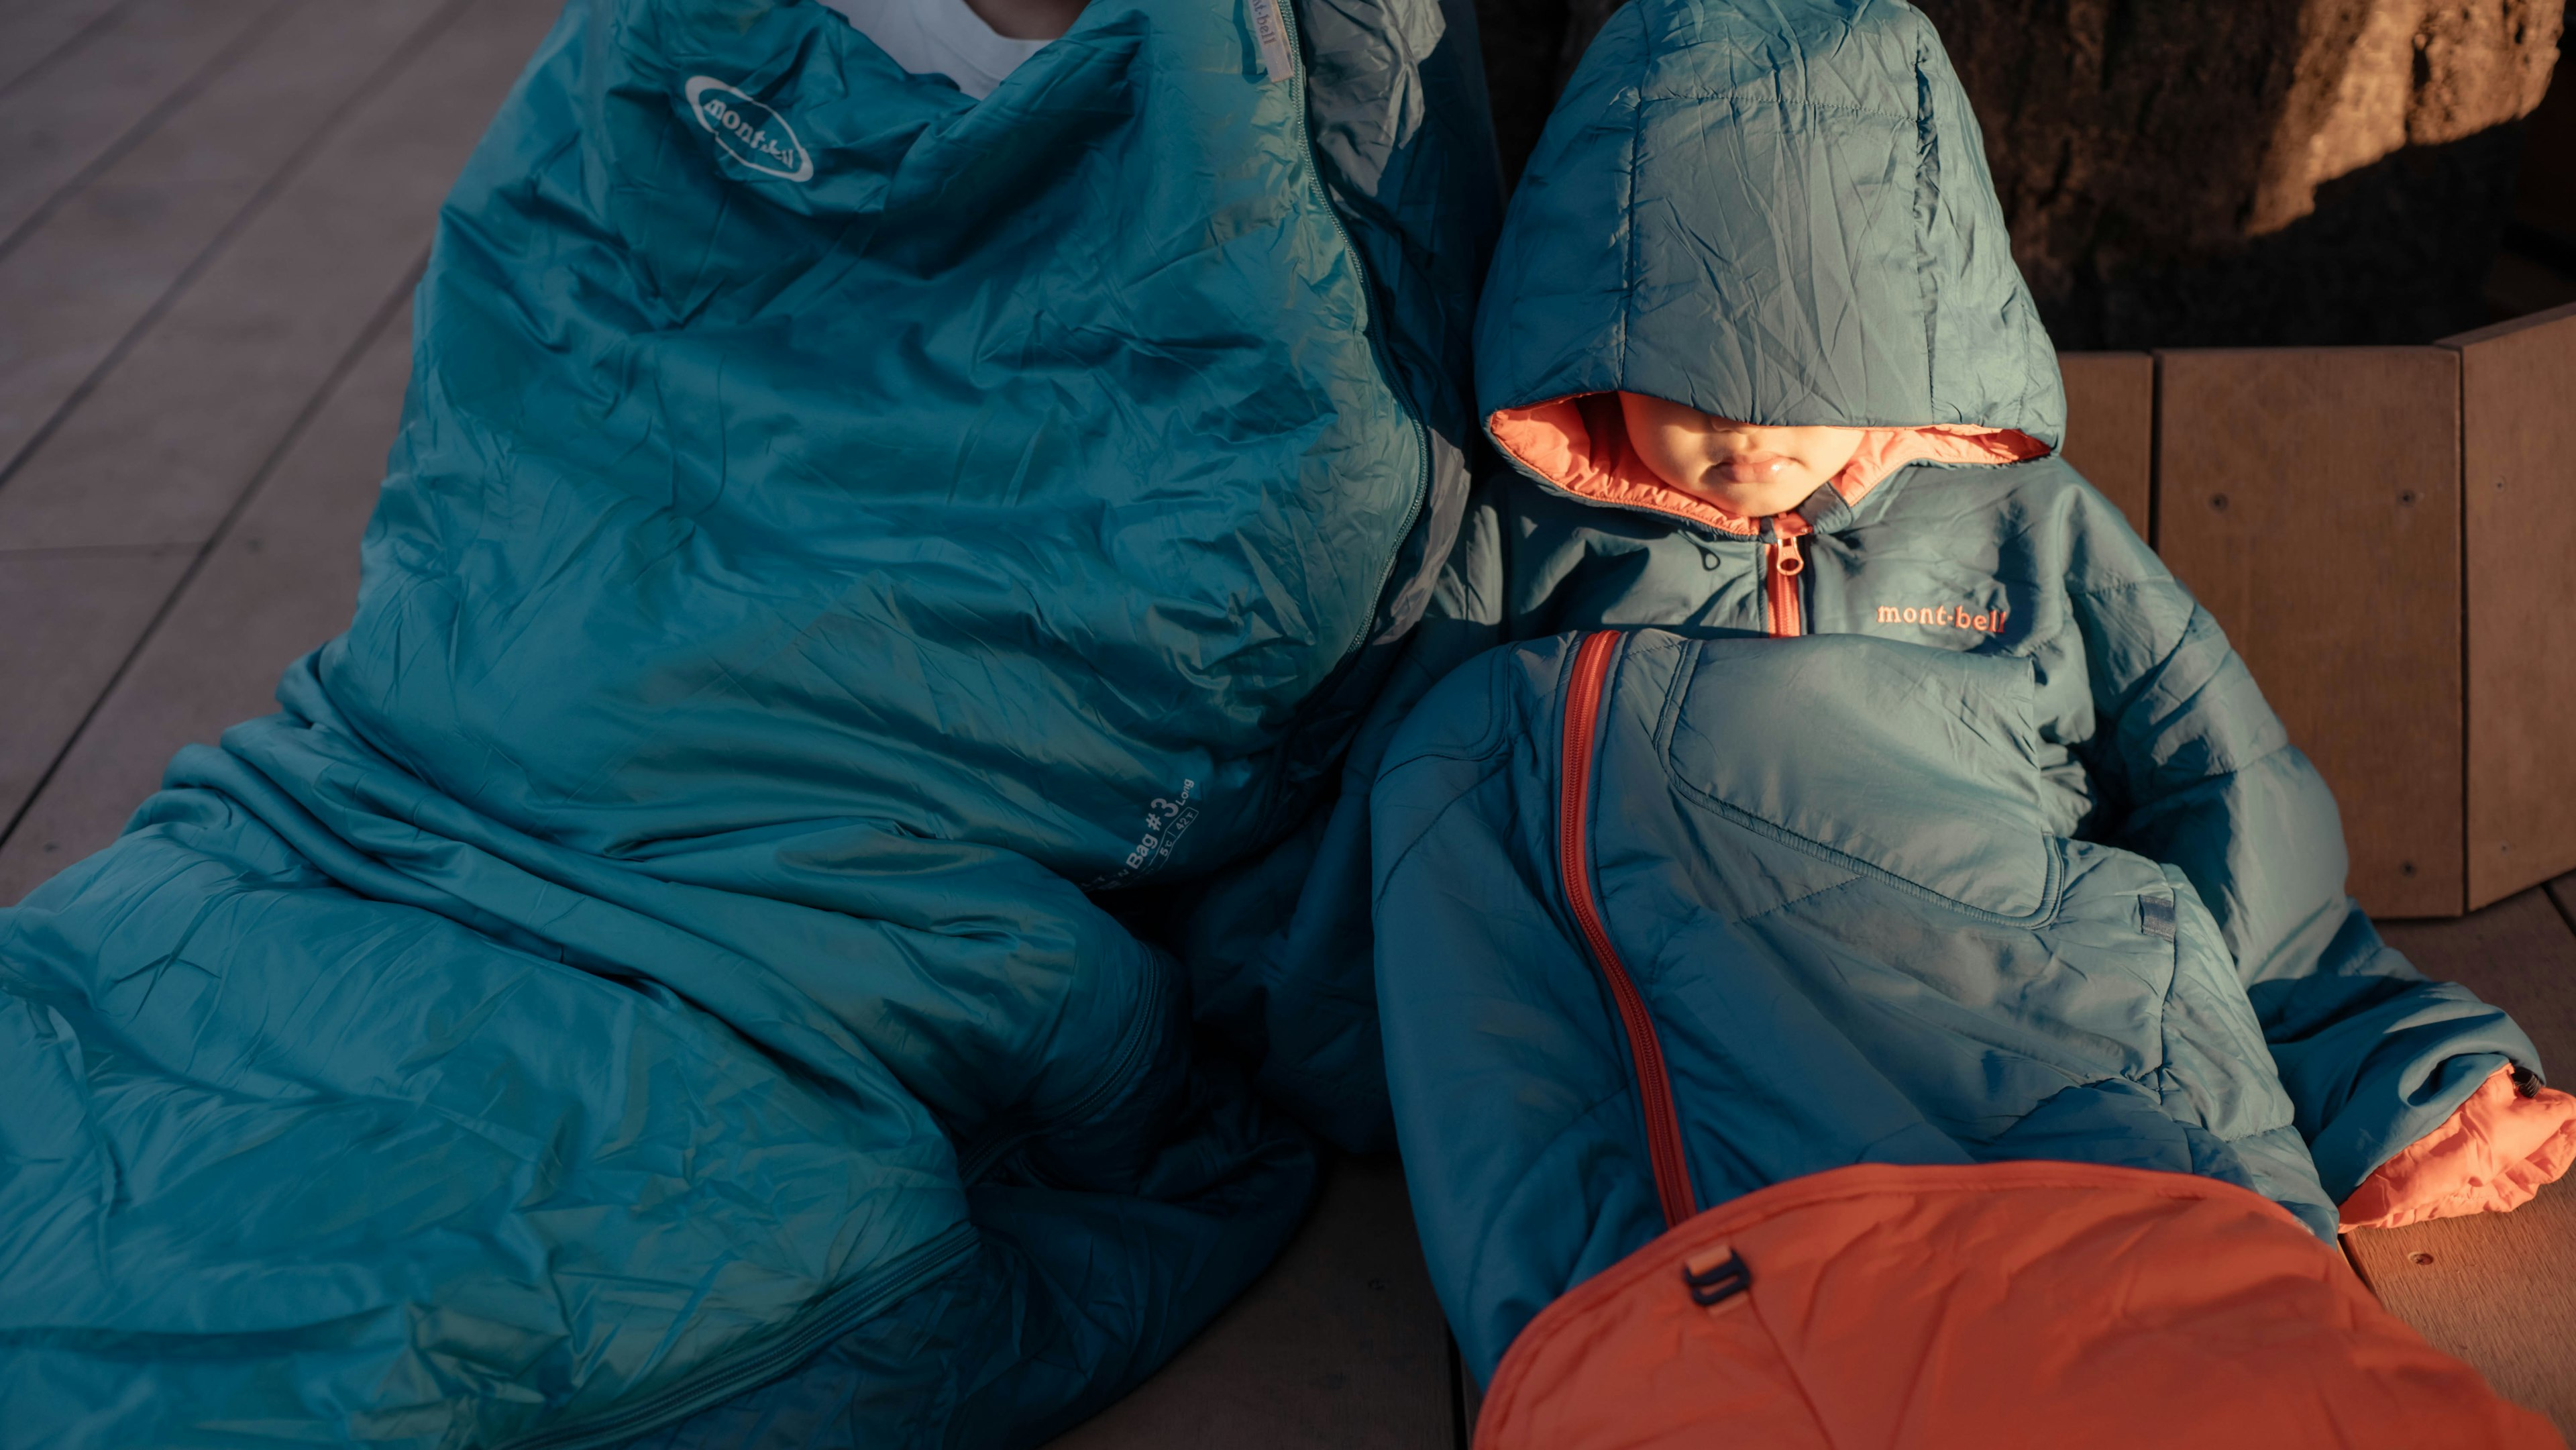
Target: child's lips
{"x":1750,"y":468}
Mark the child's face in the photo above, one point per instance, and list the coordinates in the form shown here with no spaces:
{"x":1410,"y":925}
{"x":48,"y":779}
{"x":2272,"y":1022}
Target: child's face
{"x":1750,"y":472}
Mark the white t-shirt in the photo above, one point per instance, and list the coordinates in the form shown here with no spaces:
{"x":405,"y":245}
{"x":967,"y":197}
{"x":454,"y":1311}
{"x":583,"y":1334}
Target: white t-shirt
{"x":940,"y":37}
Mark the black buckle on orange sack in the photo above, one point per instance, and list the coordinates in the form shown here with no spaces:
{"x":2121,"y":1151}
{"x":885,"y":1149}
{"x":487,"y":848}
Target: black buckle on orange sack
{"x":1718,"y":1282}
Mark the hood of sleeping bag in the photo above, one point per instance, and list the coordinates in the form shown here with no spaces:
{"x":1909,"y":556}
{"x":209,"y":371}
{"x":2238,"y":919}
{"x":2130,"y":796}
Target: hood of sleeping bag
{"x":1778,"y":214}
{"x":644,"y":985}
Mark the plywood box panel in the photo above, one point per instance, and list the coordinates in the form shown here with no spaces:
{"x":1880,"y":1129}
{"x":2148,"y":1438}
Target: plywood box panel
{"x":2110,"y":426}
{"x":2310,"y":497}
{"x":2518,"y":438}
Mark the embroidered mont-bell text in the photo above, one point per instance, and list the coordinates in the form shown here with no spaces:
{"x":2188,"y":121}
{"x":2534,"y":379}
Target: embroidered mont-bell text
{"x":1271,"y":34}
{"x":749,"y":132}
{"x":1947,"y":616}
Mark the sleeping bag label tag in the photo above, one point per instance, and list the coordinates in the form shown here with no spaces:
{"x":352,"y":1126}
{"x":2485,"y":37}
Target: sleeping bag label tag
{"x":750,"y":132}
{"x":1272,"y":34}
{"x":2156,"y":916}
{"x":1167,"y":819}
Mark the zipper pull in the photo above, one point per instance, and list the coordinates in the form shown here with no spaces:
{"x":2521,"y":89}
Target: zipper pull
{"x":1788,"y":561}
{"x":1788,"y":558}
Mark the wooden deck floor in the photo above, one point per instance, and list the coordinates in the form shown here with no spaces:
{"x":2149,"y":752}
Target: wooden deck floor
{"x":211,"y":215}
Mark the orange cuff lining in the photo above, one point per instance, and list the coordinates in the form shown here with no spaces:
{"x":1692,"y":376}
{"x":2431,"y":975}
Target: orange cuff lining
{"x":1580,"y":444}
{"x":2489,"y":1156}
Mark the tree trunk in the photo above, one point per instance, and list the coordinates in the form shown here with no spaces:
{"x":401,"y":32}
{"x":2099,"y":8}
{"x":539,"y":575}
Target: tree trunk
{"x":2211,"y":172}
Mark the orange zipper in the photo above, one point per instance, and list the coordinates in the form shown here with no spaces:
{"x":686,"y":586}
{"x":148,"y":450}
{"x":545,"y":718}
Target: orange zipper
{"x":1782,"y":562}
{"x":1574,"y":866}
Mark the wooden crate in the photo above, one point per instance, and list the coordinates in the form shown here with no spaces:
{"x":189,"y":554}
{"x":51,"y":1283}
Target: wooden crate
{"x":2311,"y":498}
{"x":2111,"y":425}
{"x":2388,"y":535}
{"x":2518,"y":428}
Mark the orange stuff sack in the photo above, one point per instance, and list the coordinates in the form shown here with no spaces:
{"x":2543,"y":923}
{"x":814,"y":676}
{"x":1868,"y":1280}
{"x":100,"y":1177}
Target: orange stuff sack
{"x":1999,"y":1305}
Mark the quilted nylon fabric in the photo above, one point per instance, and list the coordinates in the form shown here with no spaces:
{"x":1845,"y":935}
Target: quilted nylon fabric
{"x":1827,"y":865}
{"x":659,"y":974}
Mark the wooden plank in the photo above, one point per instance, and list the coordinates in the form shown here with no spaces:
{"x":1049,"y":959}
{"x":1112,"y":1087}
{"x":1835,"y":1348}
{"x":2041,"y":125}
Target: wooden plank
{"x":163,"y":446}
{"x":96,"y":268}
{"x":2110,"y":426}
{"x":66,"y":623}
{"x":2518,"y":461}
{"x":279,"y":580}
{"x":2311,"y":499}
{"x":1340,"y":1345}
{"x":38,"y":34}
{"x":2498,"y":1290}
{"x":64,"y":119}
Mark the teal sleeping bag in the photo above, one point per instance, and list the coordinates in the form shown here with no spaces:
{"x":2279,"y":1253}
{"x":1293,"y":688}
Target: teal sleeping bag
{"x":662,"y":973}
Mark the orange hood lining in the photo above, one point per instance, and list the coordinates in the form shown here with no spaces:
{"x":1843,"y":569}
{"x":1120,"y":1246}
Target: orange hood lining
{"x":1580,"y":444}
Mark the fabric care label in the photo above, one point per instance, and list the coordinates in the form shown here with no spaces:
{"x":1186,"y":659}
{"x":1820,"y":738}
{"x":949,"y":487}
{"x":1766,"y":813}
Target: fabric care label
{"x":1272,"y":33}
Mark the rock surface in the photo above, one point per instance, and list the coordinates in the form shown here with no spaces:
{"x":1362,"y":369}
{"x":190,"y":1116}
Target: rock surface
{"x":2208,"y":172}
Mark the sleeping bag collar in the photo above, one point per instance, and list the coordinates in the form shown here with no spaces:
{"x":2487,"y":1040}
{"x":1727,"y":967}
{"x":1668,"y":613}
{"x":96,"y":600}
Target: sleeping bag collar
{"x":1777,"y":213}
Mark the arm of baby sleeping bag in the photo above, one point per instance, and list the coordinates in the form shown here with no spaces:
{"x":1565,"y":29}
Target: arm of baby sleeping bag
{"x":1279,"y":948}
{"x":2417,"y":1099}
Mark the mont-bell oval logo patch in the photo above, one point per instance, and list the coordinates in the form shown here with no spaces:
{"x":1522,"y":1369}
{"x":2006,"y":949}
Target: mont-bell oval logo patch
{"x":750,"y":132}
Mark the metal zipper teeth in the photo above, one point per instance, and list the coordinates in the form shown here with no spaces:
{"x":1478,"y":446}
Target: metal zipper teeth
{"x":765,"y":1361}
{"x":1788,"y":619}
{"x":1368,"y":328}
{"x":1574,"y":865}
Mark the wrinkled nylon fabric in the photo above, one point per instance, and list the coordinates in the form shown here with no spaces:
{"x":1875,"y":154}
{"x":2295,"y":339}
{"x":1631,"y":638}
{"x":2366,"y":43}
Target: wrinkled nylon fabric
{"x":661,"y":972}
{"x":2014,"y":1304}
{"x":2017,"y":863}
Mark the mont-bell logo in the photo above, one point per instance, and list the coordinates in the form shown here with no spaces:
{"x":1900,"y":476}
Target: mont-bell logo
{"x":750,"y":132}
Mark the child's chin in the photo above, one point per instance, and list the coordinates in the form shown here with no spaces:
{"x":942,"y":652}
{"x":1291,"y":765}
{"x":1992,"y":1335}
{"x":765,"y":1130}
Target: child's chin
{"x":1774,"y":497}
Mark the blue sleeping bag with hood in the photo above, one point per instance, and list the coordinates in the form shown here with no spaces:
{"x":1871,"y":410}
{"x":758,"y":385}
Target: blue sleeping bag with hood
{"x":1929,"y":824}
{"x":662,"y":973}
